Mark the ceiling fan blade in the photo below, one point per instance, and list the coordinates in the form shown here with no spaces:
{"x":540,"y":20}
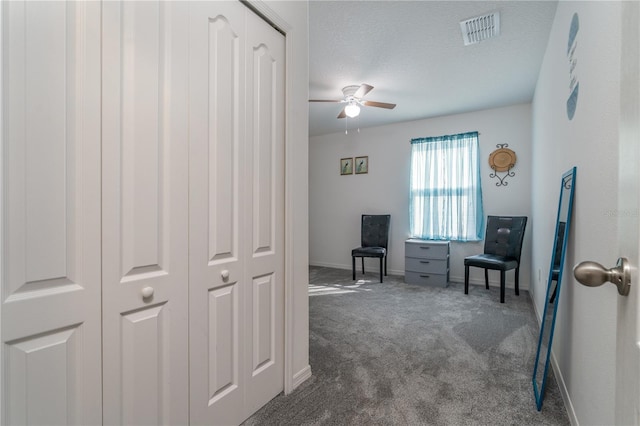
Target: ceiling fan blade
{"x":379,"y":104}
{"x":342,"y":114}
{"x":362,"y":90}
{"x":325,"y":100}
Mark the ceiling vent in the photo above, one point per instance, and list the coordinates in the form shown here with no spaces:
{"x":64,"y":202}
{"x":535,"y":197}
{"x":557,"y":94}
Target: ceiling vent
{"x":480,"y":28}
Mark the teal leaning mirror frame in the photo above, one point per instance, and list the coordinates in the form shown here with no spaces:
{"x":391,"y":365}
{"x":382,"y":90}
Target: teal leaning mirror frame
{"x":563,"y":226}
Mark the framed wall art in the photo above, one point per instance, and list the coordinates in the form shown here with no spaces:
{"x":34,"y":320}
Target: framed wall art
{"x":362,"y":165}
{"x":346,"y":166}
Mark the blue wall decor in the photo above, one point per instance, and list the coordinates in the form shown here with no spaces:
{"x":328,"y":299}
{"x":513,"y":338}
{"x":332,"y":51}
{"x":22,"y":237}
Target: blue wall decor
{"x":574,"y":84}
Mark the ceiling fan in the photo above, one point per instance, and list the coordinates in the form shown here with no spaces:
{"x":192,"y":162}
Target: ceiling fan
{"x":353,"y":98}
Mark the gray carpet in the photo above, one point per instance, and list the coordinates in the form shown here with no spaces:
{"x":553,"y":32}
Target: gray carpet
{"x":398,"y":354}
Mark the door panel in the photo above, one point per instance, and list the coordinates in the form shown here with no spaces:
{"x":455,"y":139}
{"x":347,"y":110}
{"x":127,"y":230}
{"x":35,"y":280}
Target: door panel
{"x":222,"y":135}
{"x":223,"y":342}
{"x":142,"y":348}
{"x":39,"y":367}
{"x":264,"y":333}
{"x":263,"y":88}
{"x":140,"y":178}
{"x":51,"y":225}
{"x":216,"y":277}
{"x":265,"y":256}
{"x":145,"y":220}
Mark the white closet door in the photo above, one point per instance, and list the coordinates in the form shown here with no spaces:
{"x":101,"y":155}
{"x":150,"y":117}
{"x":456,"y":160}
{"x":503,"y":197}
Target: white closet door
{"x":51,"y":371}
{"x":145,"y":219}
{"x":236,"y":212}
{"x":217,"y":284}
{"x":264,"y":212}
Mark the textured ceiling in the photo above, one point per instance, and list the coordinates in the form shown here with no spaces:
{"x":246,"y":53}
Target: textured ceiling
{"x":412,"y":52}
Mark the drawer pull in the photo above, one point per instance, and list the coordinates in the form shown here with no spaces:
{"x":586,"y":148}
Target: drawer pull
{"x":425,"y":248}
{"x":424,"y":261}
{"x":425,"y":276}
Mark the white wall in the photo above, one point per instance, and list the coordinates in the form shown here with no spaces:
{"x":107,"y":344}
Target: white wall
{"x":336,"y":202}
{"x":585,"y":338}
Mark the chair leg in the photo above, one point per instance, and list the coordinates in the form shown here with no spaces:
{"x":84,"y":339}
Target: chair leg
{"x":353,"y":266}
{"x":502,"y":285}
{"x":380,"y":269}
{"x":466,"y":279}
{"x":518,"y":281}
{"x":385,"y":264}
{"x":553,"y":296}
{"x":486,"y":278}
{"x":362,"y":265}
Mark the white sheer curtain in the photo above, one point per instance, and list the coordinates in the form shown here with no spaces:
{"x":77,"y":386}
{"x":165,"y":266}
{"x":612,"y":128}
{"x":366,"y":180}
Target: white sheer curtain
{"x":446,"y":195}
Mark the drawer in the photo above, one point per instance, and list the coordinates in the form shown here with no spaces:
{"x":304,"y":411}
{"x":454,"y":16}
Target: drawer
{"x":426,"y":249}
{"x":426,"y":265}
{"x":428,"y":279}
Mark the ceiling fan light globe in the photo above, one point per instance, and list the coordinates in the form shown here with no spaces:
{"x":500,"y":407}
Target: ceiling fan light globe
{"x":352,"y":110}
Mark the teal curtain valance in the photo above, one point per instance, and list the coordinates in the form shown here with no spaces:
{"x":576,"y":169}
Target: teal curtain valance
{"x":445,"y":138}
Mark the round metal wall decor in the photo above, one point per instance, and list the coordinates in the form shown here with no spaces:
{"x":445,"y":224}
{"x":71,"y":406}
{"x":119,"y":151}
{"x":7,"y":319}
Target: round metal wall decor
{"x":502,"y":160}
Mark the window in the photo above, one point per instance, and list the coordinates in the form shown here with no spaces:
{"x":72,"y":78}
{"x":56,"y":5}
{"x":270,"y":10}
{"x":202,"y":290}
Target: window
{"x":446,"y":196}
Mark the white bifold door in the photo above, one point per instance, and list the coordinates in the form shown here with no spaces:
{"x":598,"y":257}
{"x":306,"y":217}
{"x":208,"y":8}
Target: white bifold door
{"x":145,"y":212}
{"x":51,"y":333}
{"x":142,"y":213}
{"x":236,"y":212}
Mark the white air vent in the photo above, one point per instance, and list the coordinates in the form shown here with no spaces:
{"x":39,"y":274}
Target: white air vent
{"x":480,"y":28}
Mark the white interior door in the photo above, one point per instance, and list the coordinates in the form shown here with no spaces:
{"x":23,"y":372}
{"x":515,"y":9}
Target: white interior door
{"x":264,"y":214}
{"x":145,"y":219}
{"x":51,"y":370}
{"x":236,"y":212}
{"x":216,"y":275}
{"x":628,"y":338}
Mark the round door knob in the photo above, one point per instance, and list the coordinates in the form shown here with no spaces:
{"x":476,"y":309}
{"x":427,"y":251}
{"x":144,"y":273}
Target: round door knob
{"x":225,"y":275}
{"x":147,"y":292}
{"x":592,"y":274}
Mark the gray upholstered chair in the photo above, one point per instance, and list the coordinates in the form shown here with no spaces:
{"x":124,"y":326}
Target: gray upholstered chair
{"x":374,"y":235}
{"x":502,"y":248}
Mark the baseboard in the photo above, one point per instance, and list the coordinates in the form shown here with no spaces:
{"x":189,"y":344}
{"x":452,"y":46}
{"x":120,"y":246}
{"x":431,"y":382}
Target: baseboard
{"x":329,"y":265}
{"x":300,"y":377}
{"x":571,"y":412}
{"x":348,"y":267}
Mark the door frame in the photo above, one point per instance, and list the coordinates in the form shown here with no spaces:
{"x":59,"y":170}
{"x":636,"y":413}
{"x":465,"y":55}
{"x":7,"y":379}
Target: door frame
{"x":2,"y":191}
{"x":627,"y":360}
